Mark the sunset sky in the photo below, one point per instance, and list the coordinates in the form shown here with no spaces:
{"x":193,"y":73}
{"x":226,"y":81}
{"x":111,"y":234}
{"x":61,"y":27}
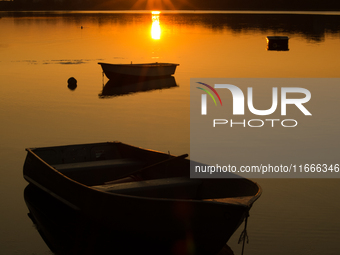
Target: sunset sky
{"x":171,"y":5}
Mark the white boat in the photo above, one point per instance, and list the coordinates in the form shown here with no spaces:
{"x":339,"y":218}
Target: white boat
{"x":147,"y":70}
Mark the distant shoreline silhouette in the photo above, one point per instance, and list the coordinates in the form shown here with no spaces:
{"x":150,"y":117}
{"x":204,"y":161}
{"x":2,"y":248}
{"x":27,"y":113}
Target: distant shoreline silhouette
{"x":313,"y":27}
{"x":265,"y":5}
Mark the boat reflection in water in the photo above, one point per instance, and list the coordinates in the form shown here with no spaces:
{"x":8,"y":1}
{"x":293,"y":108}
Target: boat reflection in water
{"x":122,"y":87}
{"x":66,"y":231}
{"x":61,"y":227}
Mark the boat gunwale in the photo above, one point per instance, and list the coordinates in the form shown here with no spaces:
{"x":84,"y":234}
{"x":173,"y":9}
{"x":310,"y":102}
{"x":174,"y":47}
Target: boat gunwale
{"x":249,"y":203}
{"x":141,"y":65}
{"x":90,"y":187}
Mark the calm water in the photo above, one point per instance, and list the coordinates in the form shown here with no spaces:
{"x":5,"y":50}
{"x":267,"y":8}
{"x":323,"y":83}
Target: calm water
{"x":40,"y":51}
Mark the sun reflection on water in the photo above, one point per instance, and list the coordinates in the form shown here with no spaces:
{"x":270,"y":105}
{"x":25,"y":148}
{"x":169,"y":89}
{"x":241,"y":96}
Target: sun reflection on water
{"x":155,"y":27}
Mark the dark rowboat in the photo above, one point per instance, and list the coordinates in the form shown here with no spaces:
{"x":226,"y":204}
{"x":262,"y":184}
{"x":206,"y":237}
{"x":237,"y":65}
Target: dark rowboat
{"x":277,"y":43}
{"x":143,"y":195}
{"x":138,"y":71}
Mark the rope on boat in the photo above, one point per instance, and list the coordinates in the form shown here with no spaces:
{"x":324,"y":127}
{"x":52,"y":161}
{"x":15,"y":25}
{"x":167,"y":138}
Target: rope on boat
{"x":244,"y":234}
{"x":103,"y":78}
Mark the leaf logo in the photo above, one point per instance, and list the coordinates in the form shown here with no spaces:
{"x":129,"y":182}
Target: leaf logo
{"x":209,"y":93}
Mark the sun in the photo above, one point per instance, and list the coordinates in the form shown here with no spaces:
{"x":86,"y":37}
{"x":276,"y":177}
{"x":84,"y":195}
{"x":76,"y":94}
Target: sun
{"x":153,"y":5}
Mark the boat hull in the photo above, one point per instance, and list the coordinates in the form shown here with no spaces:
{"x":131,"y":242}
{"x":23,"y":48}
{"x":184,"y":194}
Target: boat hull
{"x":138,"y":71}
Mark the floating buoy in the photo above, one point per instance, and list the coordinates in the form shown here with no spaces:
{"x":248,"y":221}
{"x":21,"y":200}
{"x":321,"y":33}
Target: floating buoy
{"x":277,"y":43}
{"x":72,"y":83}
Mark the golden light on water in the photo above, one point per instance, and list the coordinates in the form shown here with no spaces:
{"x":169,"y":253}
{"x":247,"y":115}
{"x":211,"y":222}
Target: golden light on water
{"x":155,"y":27}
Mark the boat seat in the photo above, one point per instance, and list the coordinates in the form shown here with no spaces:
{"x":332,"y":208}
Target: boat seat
{"x":100,"y":164}
{"x":98,"y":172}
{"x":178,"y":187}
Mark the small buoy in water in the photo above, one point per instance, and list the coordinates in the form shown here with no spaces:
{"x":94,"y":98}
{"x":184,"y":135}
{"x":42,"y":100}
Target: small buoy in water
{"x":72,"y":83}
